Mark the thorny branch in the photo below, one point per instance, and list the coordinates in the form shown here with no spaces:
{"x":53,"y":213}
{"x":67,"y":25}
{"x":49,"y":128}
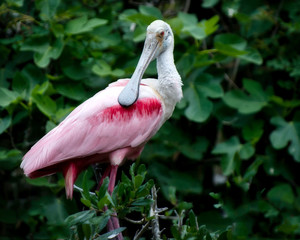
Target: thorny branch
{"x":135,"y":221}
{"x":81,"y":190}
{"x":154,"y":213}
{"x":138,"y":234}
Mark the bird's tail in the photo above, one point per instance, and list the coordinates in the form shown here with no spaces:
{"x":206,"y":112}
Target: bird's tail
{"x":70,"y":172}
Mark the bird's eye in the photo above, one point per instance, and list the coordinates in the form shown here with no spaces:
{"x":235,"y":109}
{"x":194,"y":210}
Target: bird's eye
{"x":162,"y":33}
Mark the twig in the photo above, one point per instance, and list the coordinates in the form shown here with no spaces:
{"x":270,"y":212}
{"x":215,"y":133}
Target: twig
{"x":135,"y":221}
{"x":160,"y":210}
{"x":138,"y":234}
{"x":153,"y":213}
{"x":11,"y":138}
{"x":218,"y":65}
{"x":235,"y":69}
{"x":274,"y":32}
{"x":180,"y":218}
{"x":81,"y":190}
{"x":231,"y":82}
{"x":187,"y":6}
{"x":168,"y":217}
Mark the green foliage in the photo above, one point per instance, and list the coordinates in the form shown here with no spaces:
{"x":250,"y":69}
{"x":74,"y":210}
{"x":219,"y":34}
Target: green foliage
{"x":226,"y":162}
{"x":129,"y":196}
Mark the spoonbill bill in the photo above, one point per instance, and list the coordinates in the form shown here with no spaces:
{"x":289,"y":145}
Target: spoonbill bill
{"x":115,"y":123}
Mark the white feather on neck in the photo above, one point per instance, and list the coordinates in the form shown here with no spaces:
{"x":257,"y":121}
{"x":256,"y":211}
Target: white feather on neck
{"x":169,"y":86}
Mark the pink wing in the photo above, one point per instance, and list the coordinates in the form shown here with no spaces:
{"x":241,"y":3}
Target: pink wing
{"x":98,"y":126}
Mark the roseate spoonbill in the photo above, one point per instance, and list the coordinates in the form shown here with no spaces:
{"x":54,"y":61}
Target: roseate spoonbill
{"x":115,"y":123}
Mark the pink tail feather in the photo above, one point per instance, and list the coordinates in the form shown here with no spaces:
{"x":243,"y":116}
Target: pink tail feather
{"x":70,"y":173}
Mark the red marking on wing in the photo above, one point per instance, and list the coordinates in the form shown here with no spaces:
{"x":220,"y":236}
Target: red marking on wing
{"x":142,"y":108}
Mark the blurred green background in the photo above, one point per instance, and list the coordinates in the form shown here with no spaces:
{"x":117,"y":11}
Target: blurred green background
{"x":228,"y":156}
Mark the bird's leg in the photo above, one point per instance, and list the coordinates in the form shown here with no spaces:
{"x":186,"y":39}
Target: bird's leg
{"x":112,"y":178}
{"x":113,"y":221}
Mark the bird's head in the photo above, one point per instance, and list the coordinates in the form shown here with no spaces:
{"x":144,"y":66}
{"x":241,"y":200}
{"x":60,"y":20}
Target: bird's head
{"x":159,"y":39}
{"x":160,"y":35}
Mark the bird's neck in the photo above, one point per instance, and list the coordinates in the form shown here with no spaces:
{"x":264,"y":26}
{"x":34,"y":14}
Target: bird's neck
{"x":169,"y":81}
{"x":166,"y":67}
{"x":168,"y":76}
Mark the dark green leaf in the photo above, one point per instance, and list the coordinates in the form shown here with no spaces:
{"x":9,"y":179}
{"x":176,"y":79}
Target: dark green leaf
{"x":281,"y":195}
{"x":188,"y":19}
{"x":42,"y":59}
{"x":57,"y":29}
{"x":253,"y":168}
{"x":289,"y":225}
{"x":252,"y":56}
{"x":194,"y":150}
{"x":7,"y":97}
{"x":125,"y":179}
{"x":132,"y":170}
{"x":9,"y":159}
{"x":199,"y":107}
{"x":208,"y":237}
{"x":175,"y":232}
{"x":182,"y":181}
{"x":225,"y":236}
{"x":40,"y":182}
{"x":244,"y":103}
{"x":191,"y":27}
{"x":36,"y":43}
{"x":82,"y":25}
{"x":229,"y":150}
{"x":111,"y":234}
{"x":80,"y":217}
{"x":230,"y":44}
{"x":210,"y":25}
{"x":151,"y":11}
{"x":246,"y":151}
{"x":5,"y":122}
{"x":47,"y":8}
{"x":138,"y":180}
{"x":86,"y":202}
{"x":142,"y":202}
{"x":209,"y":3}
{"x":55,"y":211}
{"x":103,"y":69}
{"x":253,"y":131}
{"x":45,"y":104}
{"x":86,"y":230}
{"x":76,"y":92}
{"x":103,"y":189}
{"x":100,"y":222}
{"x":286,"y":132}
{"x":73,"y":69}
{"x":209,"y":86}
{"x":86,"y":190}
{"x":193,"y":220}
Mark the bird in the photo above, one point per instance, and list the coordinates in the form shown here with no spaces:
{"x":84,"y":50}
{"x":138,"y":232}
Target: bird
{"x":117,"y":122}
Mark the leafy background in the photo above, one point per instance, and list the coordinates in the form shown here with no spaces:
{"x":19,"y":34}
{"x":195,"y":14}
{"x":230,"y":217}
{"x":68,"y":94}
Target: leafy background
{"x":227,"y":161}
